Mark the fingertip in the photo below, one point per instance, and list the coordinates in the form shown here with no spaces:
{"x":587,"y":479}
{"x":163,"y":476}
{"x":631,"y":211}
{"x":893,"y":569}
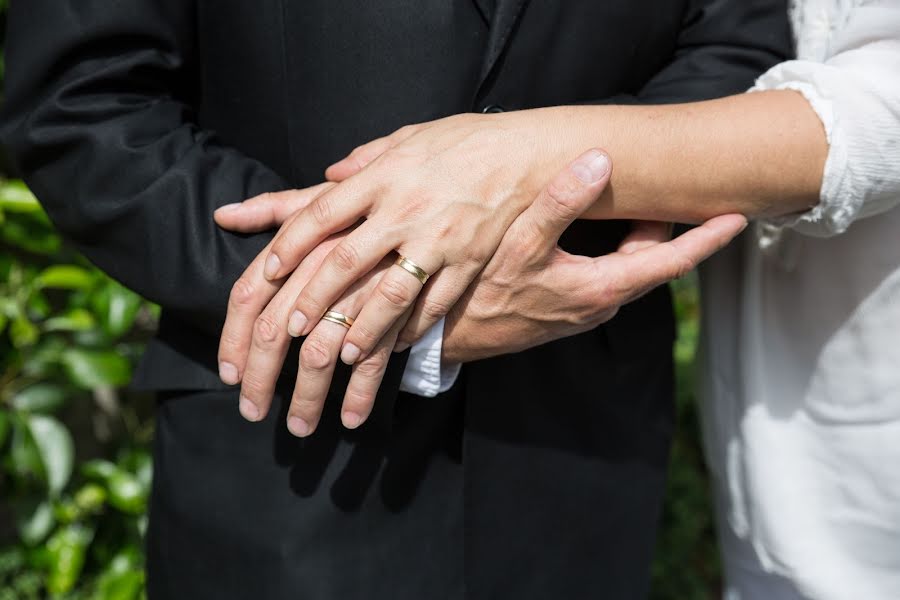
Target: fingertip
{"x":350,"y":354}
{"x":228,"y":373}
{"x":273,"y":266}
{"x":351,"y":420}
{"x":221,"y":214}
{"x":339,"y":171}
{"x":249,"y":410}
{"x":298,"y":427}
{"x":731,"y":223}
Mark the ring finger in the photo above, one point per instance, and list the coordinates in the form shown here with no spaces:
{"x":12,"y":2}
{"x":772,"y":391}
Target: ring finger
{"x":319,"y":355}
{"x":394,"y":295}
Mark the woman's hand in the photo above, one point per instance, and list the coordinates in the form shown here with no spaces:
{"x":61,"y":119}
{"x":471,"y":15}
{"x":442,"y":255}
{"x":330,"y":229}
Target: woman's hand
{"x":442,"y":195}
{"x":254,"y":340}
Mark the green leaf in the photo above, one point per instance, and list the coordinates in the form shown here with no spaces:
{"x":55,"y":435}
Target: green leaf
{"x":34,"y":520}
{"x":90,"y":497}
{"x":16,"y":197}
{"x":31,"y":236}
{"x":67,"y":548}
{"x":126,"y":493}
{"x":56,"y":448}
{"x":24,"y":455}
{"x":121,"y":586}
{"x":38,"y":306}
{"x":66,"y":277}
{"x":43,"y":360}
{"x":66,"y":511}
{"x":99,"y":470}
{"x":23,"y":332}
{"x":39,"y":398}
{"x":122,"y":306}
{"x":77,"y":319}
{"x":123,"y":579}
{"x":90,"y":369}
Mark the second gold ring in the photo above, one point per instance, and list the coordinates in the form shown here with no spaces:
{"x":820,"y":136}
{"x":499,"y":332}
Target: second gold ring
{"x":413,"y":269}
{"x":339,"y":318}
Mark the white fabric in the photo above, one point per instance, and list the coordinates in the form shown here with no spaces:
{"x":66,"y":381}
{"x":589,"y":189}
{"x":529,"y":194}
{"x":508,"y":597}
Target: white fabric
{"x":800,"y":348}
{"x":424,"y":375}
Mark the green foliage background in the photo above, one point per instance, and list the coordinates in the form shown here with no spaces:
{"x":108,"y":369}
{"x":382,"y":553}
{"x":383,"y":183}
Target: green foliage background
{"x":75,"y":469}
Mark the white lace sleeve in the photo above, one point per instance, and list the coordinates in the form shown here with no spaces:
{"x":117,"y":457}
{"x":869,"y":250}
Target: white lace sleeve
{"x":856,"y":93}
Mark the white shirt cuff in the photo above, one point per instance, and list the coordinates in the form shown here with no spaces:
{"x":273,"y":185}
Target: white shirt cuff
{"x":424,"y":375}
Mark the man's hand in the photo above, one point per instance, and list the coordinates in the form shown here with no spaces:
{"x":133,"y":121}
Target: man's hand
{"x":254,"y":340}
{"x":532,"y":292}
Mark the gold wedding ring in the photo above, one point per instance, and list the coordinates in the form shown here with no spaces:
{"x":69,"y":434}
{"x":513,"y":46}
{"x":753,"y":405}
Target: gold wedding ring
{"x":413,"y":269}
{"x":339,"y":318}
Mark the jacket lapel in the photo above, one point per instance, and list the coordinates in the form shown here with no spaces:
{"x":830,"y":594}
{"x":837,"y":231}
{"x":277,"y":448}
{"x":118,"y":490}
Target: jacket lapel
{"x":506,"y":15}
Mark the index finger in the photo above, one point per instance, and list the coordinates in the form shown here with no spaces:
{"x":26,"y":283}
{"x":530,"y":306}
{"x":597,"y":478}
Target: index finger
{"x":647,"y":268}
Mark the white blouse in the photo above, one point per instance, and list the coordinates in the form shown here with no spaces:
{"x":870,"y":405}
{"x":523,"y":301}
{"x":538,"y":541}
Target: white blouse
{"x":800,"y":348}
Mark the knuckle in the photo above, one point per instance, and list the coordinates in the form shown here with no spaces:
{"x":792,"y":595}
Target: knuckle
{"x":265,"y":198}
{"x":315,"y":354}
{"x":321,"y":211}
{"x":408,"y":336}
{"x":359,"y":399}
{"x":307,"y":409}
{"x":362,"y":335}
{"x":252,"y":386}
{"x":373,"y":366}
{"x":345,"y":257}
{"x":265,"y":331}
{"x":230,"y":343}
{"x":434,"y":310}
{"x":242,"y":292}
{"x":563,"y":200}
{"x":683,"y":265}
{"x":395,"y":293}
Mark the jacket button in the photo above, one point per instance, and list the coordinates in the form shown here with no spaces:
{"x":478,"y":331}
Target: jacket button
{"x":493,"y":108}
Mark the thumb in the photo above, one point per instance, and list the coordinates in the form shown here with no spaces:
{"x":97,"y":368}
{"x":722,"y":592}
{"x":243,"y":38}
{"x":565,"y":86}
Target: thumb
{"x":266,"y":211}
{"x":564,"y":199}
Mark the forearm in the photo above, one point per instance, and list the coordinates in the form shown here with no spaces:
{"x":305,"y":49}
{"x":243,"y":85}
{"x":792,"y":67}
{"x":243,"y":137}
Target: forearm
{"x":98,"y":118}
{"x":760,"y":154}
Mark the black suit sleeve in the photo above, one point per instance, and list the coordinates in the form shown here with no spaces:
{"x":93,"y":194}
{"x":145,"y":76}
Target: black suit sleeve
{"x":98,"y":119}
{"x":723,"y":46}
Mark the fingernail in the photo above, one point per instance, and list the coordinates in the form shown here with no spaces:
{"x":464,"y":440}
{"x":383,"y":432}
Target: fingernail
{"x":350,"y":354}
{"x":296,"y":323}
{"x":591,"y":167}
{"x":351,"y":420}
{"x":248,"y":410}
{"x":273,"y":265}
{"x":228,"y":373}
{"x":228,"y":207}
{"x":401,"y":347}
{"x":298,"y":427}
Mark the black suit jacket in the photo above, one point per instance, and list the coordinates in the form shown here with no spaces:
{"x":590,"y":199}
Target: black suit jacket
{"x":132,"y":121}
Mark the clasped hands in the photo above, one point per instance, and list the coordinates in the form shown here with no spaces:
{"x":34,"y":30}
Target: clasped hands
{"x":479,"y":204}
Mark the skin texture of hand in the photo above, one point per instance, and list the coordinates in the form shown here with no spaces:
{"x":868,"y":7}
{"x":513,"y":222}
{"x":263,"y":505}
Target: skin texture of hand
{"x":442,"y":194}
{"x":532,"y":292}
{"x":254,"y":341}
